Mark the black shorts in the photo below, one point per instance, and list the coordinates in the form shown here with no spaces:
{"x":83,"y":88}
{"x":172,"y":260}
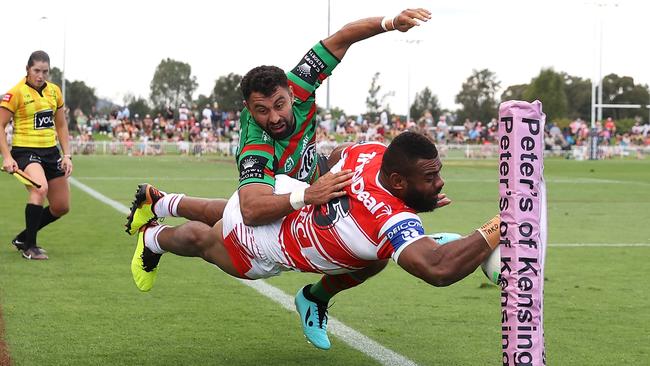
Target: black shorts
{"x":48,"y":157}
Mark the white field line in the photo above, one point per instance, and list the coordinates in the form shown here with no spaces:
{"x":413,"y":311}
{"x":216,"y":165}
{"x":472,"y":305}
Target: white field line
{"x":348,"y":335}
{"x":459,"y":180}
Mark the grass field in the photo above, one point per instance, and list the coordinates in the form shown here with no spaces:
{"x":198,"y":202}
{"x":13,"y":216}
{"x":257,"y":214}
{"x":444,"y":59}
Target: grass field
{"x":81,"y":307}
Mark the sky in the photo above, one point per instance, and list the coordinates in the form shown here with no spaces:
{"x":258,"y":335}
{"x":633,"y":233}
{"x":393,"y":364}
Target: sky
{"x":115,"y":46}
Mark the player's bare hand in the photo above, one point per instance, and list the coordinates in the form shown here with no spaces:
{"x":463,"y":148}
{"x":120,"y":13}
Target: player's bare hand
{"x":66,"y":165}
{"x":442,"y":200}
{"x":9,"y":165}
{"x":410,"y":18}
{"x":327,"y":187}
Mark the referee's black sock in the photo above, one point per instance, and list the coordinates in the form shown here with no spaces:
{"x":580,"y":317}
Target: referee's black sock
{"x":46,"y":218}
{"x":32,"y":223}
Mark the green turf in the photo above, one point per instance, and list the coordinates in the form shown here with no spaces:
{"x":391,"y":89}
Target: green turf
{"x":81,"y":307}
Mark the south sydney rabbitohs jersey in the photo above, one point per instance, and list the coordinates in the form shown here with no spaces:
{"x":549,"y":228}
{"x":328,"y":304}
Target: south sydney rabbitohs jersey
{"x":350,"y":232}
{"x":259,"y":157}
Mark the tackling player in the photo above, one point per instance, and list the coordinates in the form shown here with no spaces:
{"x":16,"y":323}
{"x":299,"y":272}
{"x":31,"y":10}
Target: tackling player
{"x":278,"y":137}
{"x":374,"y":221}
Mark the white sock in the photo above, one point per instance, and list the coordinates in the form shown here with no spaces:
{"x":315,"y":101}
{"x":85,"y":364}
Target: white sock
{"x":168,"y":205}
{"x":151,"y":238}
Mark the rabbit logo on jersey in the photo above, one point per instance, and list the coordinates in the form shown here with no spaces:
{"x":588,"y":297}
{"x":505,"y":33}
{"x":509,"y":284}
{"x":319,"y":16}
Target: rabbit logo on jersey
{"x":404,"y":231}
{"x":358,"y":188}
{"x":306,"y":162}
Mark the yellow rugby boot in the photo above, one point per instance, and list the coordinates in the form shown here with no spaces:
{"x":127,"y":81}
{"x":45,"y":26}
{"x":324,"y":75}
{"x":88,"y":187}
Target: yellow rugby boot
{"x":144,"y":264}
{"x":142,"y":208}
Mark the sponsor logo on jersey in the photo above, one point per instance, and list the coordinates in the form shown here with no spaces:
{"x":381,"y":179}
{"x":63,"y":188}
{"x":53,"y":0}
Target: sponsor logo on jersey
{"x":44,"y":119}
{"x":288,"y":165}
{"x":358,"y":189}
{"x":249,"y":162}
{"x":252,"y":167}
{"x":303,"y":70}
{"x":7,"y":97}
{"x":327,"y":215}
{"x":310,"y":67}
{"x":307,"y":161}
{"x":404,"y":231}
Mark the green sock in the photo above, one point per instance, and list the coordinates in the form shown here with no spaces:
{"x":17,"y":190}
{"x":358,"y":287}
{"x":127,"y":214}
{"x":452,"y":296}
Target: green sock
{"x":330,"y":285}
{"x":319,"y":291}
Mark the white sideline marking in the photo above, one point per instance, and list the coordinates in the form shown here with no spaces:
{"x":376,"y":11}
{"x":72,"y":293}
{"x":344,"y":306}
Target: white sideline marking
{"x":459,"y":180}
{"x":348,"y":335}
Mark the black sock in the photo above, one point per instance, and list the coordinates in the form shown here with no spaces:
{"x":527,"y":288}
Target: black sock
{"x":46,"y":218}
{"x":32,"y":223}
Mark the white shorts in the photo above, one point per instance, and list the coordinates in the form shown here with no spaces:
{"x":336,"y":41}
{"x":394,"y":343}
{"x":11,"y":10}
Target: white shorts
{"x":256,"y":251}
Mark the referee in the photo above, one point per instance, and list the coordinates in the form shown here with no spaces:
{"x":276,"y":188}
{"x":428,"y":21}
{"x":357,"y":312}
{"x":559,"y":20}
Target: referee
{"x":36,"y":107}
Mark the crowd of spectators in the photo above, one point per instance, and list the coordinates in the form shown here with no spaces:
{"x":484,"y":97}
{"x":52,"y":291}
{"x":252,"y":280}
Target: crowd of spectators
{"x":202,"y":131}
{"x":195,"y":130}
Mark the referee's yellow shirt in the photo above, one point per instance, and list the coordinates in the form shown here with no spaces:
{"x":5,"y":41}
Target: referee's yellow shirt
{"x":34,"y":113}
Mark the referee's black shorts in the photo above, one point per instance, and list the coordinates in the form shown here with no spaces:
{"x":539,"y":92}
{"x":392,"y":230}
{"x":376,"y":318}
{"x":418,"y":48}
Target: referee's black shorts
{"x":48,"y":157}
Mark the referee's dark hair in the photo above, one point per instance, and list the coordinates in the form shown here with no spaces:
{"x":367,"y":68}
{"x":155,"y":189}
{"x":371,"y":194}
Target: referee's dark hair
{"x":38,"y":56}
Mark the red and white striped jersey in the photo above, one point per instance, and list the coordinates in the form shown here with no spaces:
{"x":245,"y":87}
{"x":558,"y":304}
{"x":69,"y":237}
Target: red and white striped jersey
{"x":350,"y":232}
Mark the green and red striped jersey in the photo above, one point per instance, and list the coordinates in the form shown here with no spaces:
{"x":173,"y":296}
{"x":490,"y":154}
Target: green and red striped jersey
{"x":259,"y":157}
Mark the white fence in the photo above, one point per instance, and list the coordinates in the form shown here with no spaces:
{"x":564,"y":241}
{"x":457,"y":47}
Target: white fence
{"x":447,"y":151}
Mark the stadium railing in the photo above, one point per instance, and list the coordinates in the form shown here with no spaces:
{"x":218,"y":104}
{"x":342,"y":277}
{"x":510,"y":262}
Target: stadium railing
{"x":447,"y":151}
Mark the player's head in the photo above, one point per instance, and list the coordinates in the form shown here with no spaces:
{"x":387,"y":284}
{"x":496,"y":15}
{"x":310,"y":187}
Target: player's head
{"x":269,"y":98}
{"x":38,"y":68}
{"x":411,"y":168}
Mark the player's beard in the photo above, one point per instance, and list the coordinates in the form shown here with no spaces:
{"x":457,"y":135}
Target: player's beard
{"x":418,"y":201}
{"x":289,"y":126}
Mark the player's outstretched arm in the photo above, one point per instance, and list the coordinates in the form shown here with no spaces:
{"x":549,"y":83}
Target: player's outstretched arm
{"x":339,"y":42}
{"x":443,"y":265}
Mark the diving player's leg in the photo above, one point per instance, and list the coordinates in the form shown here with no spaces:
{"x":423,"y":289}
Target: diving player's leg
{"x":206,"y":210}
{"x":192,"y":239}
{"x":312,"y":300}
{"x":150,"y":204}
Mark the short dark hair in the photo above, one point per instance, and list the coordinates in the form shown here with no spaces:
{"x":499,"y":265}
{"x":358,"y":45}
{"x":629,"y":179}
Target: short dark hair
{"x":404,"y":151}
{"x":263,"y":79}
{"x":38,"y":56}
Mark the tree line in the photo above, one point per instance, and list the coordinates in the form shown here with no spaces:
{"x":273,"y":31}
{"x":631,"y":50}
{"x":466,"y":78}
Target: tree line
{"x":563,"y":96}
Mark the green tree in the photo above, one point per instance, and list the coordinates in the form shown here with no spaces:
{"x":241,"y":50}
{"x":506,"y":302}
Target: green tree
{"x":139,"y":106}
{"x":623,"y":90}
{"x":514,"y":92}
{"x":337,"y":113}
{"x":172,"y":83}
{"x":578,"y":94}
{"x":478,"y":96}
{"x":56,"y":75}
{"x":79,"y":95}
{"x":375,"y":102}
{"x":425,"y":101}
{"x":548,"y":88}
{"x":202,"y":101}
{"x":227,"y":92}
